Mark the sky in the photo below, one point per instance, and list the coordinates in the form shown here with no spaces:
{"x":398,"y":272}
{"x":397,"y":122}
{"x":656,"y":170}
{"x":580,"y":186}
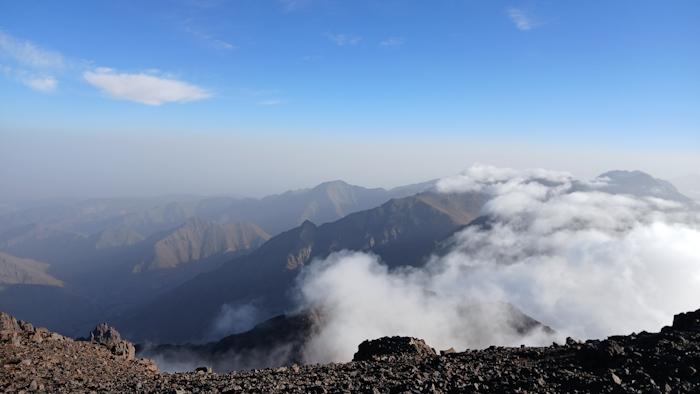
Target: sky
{"x":253,"y":97}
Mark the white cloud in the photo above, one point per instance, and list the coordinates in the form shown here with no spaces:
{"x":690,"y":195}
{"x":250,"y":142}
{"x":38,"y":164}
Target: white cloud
{"x":144,"y":88}
{"x":42,"y":84}
{"x":523,"y":19}
{"x":343,"y":39}
{"x":359,"y":298}
{"x":29,"y":54}
{"x":392,"y":42}
{"x":587,"y":263}
{"x":34,"y":63}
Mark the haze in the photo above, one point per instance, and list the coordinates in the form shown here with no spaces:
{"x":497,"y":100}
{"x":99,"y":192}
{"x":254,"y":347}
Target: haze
{"x":257,"y":97}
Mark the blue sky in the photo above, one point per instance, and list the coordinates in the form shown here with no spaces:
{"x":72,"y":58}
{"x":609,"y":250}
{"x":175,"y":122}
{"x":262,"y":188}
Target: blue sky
{"x":127,"y":98}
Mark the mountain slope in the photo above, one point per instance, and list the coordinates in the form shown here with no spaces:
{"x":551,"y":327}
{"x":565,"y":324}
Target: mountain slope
{"x":199,"y":239}
{"x":14,"y":270}
{"x":401,"y":231}
{"x":324,"y":203}
{"x":640,"y":184}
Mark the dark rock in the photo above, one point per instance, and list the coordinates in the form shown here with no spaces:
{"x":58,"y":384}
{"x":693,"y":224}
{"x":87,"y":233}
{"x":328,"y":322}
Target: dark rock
{"x":448,"y":351}
{"x":369,"y":350}
{"x":689,"y":321}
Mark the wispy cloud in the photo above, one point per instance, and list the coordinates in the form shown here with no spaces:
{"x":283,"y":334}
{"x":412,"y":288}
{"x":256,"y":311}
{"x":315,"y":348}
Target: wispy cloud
{"x":223,"y":45}
{"x":33,"y":65}
{"x":144,"y":88}
{"x":522,"y":18}
{"x":392,"y":42}
{"x":29,"y":54}
{"x":45,"y":84}
{"x":293,"y":5}
{"x":343,"y":39}
{"x":209,"y":39}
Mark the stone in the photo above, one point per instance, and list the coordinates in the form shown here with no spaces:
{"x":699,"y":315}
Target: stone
{"x":8,"y":323}
{"x":105,"y":334}
{"x":369,"y":350}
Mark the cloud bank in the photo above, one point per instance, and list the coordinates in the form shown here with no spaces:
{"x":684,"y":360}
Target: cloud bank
{"x":587,"y":263}
{"x":144,"y":88}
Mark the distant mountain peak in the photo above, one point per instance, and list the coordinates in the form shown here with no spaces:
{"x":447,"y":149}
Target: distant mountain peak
{"x":641,"y":184}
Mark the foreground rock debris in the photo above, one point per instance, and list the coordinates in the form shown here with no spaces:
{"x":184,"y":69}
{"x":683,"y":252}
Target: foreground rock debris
{"x":36,"y":360}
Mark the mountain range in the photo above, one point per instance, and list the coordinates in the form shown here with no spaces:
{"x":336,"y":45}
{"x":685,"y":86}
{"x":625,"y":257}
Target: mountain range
{"x":175,"y":271}
{"x":114,"y":255}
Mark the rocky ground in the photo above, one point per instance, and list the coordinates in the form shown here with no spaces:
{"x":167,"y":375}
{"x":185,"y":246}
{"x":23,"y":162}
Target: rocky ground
{"x":667,"y":362}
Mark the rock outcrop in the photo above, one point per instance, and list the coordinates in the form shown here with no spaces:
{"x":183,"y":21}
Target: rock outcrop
{"x":110,"y":338}
{"x":35,"y":359}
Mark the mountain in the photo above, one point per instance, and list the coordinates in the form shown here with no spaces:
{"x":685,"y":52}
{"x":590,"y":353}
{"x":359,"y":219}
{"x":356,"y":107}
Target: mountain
{"x":89,"y":216}
{"x":115,"y":237}
{"x":198,"y":239}
{"x":48,"y":244}
{"x":117,"y":268}
{"x":401,"y":231}
{"x":14,"y":270}
{"x":640,"y":184}
{"x":324,"y":203}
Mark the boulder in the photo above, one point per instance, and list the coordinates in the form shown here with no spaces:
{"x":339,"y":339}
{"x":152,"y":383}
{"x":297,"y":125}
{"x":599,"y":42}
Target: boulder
{"x":393,"y":346}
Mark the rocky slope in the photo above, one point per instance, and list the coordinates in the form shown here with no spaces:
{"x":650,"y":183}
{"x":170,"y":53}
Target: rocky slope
{"x":666,"y":362}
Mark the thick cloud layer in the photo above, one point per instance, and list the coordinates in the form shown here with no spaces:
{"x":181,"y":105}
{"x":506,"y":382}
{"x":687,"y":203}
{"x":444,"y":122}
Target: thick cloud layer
{"x":587,"y":263}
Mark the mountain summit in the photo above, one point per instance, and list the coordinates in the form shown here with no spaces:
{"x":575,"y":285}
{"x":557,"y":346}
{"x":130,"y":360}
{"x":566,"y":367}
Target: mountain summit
{"x":640,"y":184}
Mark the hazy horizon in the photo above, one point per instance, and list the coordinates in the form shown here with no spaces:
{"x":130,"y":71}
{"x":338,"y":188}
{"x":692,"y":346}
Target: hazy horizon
{"x":212,"y":97}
